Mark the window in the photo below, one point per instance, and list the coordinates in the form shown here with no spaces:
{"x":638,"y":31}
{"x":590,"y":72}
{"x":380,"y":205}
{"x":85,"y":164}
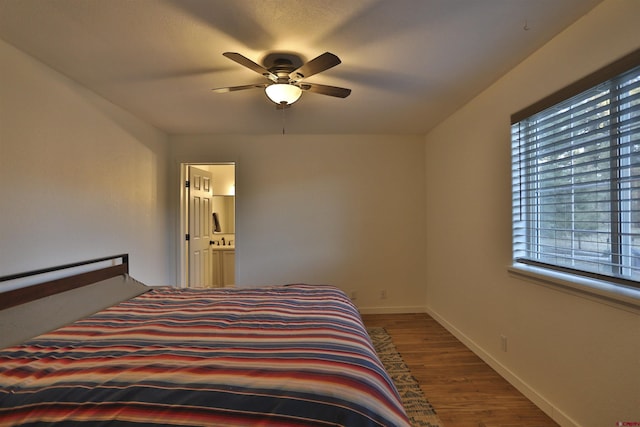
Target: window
{"x":576,"y":177}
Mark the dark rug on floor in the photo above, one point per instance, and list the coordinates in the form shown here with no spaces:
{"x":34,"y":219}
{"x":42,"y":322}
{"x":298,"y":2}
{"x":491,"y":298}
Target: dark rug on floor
{"x":418,"y":408}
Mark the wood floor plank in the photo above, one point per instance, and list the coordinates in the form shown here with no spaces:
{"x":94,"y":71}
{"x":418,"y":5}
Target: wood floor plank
{"x":464,"y":390}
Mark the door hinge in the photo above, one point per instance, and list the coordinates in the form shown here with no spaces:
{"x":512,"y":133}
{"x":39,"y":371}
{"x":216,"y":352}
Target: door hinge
{"x":187,"y":237}
{"x":186,"y":184}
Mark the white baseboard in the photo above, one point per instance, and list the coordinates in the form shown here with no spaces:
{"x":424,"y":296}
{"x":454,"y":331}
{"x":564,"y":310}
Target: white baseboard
{"x":540,"y":401}
{"x":392,"y":310}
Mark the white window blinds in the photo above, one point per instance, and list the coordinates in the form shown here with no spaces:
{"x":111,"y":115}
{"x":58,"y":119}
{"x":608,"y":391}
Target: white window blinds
{"x":576,"y":182}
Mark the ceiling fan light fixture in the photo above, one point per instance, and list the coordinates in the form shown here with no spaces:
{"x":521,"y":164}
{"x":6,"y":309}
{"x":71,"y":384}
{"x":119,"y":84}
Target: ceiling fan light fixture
{"x":283,"y":92}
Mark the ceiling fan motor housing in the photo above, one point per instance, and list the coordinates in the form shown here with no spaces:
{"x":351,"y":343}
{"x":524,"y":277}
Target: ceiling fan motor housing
{"x":282,"y":68}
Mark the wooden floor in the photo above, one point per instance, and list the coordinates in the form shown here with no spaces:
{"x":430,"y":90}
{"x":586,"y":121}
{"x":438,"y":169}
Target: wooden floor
{"x":464,"y":391}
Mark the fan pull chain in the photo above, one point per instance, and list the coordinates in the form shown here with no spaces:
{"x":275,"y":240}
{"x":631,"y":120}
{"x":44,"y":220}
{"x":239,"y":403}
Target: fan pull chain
{"x":283,"y":104}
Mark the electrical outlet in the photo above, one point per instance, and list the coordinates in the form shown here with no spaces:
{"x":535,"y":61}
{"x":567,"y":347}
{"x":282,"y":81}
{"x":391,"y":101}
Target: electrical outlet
{"x":383,"y":294}
{"x":354,"y":295}
{"x":503,"y":342}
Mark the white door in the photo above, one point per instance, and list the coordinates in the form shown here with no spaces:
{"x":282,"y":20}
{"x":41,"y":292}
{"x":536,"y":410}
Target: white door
{"x":200,"y":219}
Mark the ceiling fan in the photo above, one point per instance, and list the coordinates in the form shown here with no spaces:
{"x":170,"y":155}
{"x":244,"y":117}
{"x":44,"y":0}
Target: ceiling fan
{"x":285,"y":82}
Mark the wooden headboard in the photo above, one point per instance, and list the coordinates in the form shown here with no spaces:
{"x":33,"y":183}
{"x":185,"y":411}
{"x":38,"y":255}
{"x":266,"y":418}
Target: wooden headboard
{"x":23,"y":295}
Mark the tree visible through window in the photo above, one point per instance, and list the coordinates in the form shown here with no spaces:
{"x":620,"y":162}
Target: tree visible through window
{"x":576,"y":183}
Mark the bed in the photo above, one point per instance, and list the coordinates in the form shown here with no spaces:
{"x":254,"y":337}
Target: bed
{"x":290,"y":355}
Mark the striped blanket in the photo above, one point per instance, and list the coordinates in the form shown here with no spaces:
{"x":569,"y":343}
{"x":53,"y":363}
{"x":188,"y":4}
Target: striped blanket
{"x":295,"y":355}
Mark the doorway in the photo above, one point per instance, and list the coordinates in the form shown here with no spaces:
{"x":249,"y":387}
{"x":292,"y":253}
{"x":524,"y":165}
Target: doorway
{"x":207,"y":238}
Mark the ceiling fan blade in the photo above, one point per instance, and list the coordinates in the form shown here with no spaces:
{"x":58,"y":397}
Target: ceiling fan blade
{"x":246,"y":62}
{"x":315,"y":66}
{"x":338,"y":92}
{"x":235,"y":88}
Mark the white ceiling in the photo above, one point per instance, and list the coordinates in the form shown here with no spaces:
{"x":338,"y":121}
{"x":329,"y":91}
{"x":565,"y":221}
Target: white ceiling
{"x":409,"y":63}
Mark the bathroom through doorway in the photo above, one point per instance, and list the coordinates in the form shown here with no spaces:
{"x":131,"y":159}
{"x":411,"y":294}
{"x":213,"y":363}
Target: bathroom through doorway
{"x":207,"y":218}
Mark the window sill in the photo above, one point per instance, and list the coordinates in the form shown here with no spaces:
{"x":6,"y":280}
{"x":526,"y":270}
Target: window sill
{"x":598,"y":290}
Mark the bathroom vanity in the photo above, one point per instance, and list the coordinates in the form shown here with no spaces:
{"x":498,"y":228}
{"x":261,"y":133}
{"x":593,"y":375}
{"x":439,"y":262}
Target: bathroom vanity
{"x":223,"y":266}
{"x":223,"y":252}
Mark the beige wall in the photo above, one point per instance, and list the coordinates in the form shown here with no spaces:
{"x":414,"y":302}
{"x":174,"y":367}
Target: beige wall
{"x":79,"y":177}
{"x":578,"y":358}
{"x":224,"y":179}
{"x":342,"y":209}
